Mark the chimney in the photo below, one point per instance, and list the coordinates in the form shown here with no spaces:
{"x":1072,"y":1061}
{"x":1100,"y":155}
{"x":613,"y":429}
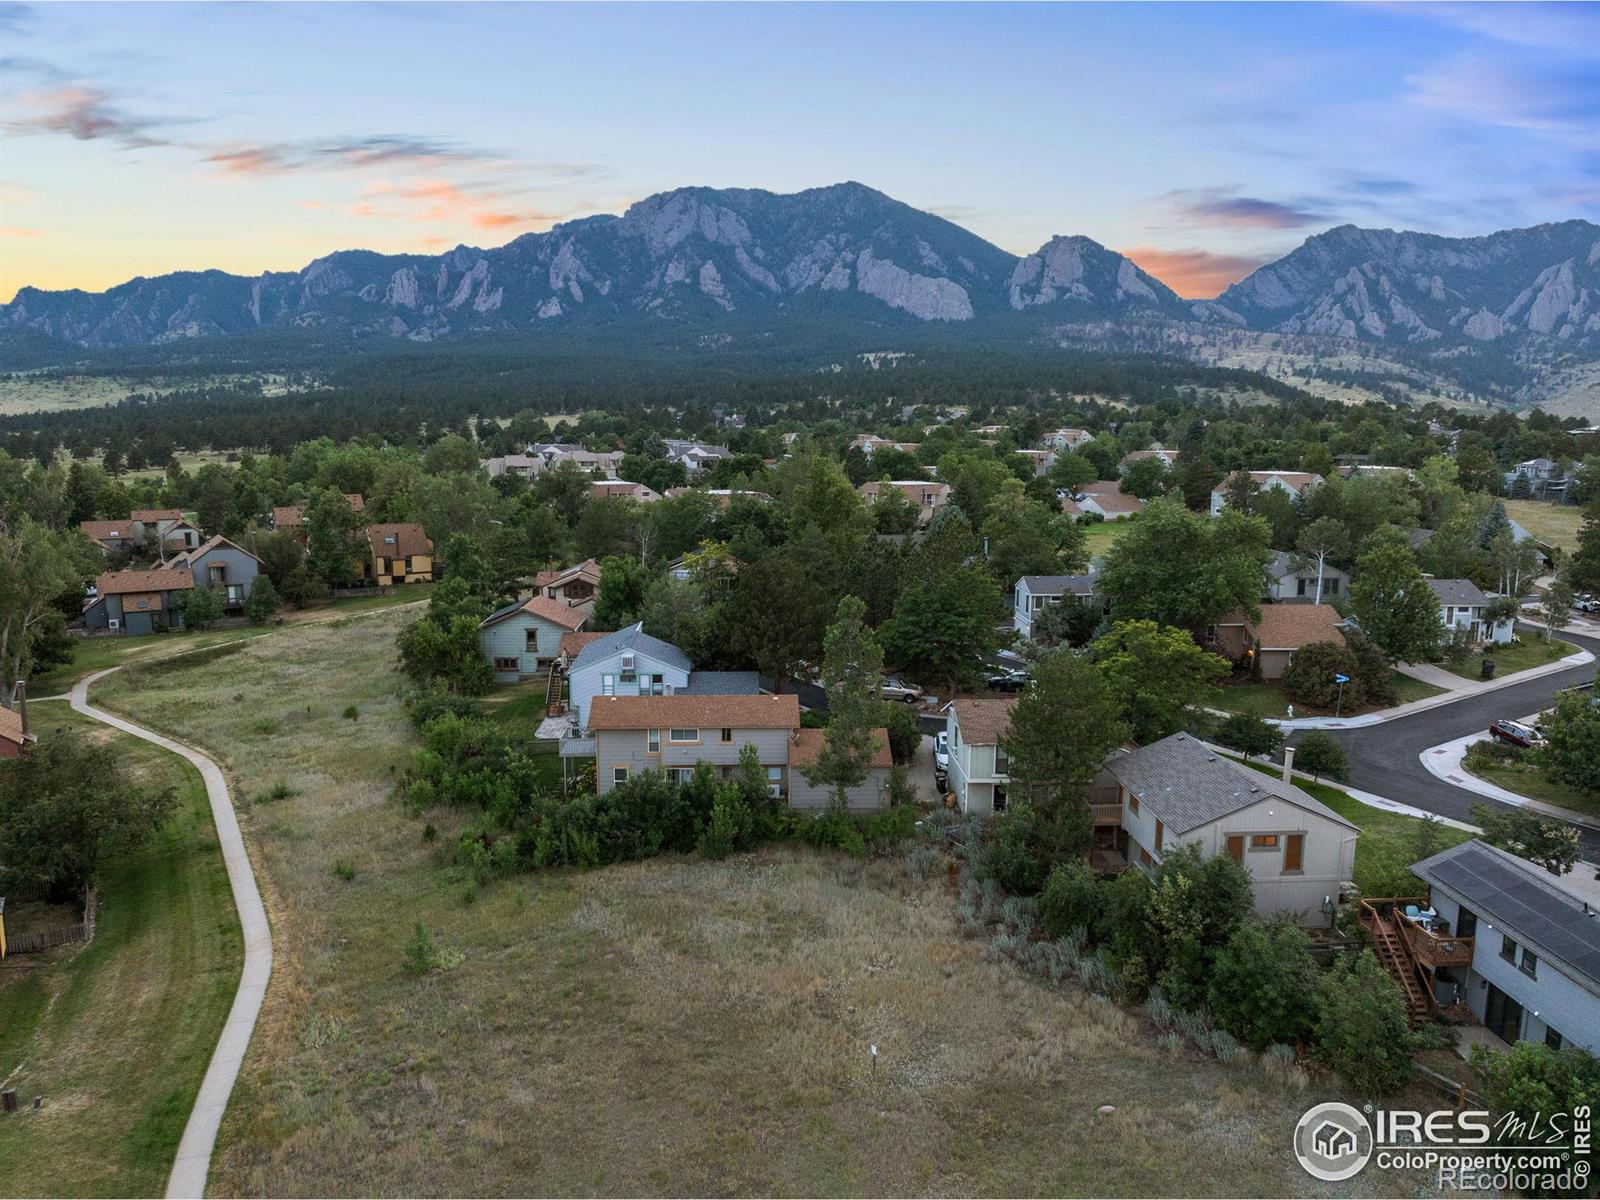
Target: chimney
{"x":1288,"y":764}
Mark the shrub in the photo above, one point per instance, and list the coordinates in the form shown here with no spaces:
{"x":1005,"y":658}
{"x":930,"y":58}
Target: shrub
{"x":1248,"y":735}
{"x":1158,"y":1010}
{"x":428,"y":704}
{"x":1308,"y":679}
{"x":1020,"y":914}
{"x":1532,"y":1078}
{"x":905,"y":731}
{"x":1027,"y":840}
{"x":351,"y":712}
{"x":262,"y":602}
{"x":919,"y":862}
{"x":1172,"y":1043}
{"x":1321,"y":754}
{"x":1361,"y":1030}
{"x":1263,"y":983}
{"x":344,"y":869}
{"x":1071,"y":899}
{"x":424,"y":955}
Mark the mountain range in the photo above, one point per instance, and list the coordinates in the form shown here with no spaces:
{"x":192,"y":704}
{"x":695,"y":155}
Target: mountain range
{"x":707,"y":259}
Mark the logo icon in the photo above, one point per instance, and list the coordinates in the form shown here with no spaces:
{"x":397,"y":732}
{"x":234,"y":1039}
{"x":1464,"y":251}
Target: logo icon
{"x":1333,"y":1141}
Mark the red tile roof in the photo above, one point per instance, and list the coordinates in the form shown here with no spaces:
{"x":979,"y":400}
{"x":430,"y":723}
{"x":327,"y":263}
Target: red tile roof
{"x":121,"y":583}
{"x":11,"y":726}
{"x":409,"y":540}
{"x":806,"y":745}
{"x":695,"y":712}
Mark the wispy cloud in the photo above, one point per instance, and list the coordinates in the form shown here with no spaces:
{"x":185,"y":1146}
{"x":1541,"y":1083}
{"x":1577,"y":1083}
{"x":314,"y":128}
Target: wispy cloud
{"x":1546,"y":96}
{"x":432,"y":200}
{"x":17,"y":18}
{"x":1225,"y":207}
{"x":16,"y":231}
{"x":86,"y":114}
{"x":1195,"y":273}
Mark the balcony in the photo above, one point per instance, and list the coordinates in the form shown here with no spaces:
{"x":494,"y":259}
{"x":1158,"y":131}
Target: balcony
{"x":1106,"y":814}
{"x":1429,"y":940}
{"x":576,"y":747}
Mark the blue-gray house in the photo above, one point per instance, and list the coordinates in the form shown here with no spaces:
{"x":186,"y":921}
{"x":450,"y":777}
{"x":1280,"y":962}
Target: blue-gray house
{"x":138,"y":601}
{"x":228,"y":570}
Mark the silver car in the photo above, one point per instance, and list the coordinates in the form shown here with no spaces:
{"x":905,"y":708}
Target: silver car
{"x":893,"y":689}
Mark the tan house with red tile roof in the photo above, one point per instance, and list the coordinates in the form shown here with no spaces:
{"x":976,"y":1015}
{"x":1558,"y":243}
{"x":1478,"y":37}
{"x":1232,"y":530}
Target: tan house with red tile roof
{"x":400,"y":553}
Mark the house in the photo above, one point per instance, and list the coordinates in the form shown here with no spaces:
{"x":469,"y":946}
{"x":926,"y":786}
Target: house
{"x":109,"y":535}
{"x":1034,"y":592}
{"x":1293,"y":581}
{"x":723,"y":496}
{"x":293,"y":516}
{"x":401,"y":553}
{"x":1529,"y":477}
{"x":1294,"y":483}
{"x":629,"y":662}
{"x":526,"y":465}
{"x":869,"y":444}
{"x":161,"y":531}
{"x":521,"y":639}
{"x":804,"y":747}
{"x":1463,"y":605}
{"x":1170,"y":457}
{"x":1064,"y":440}
{"x":14,"y":735}
{"x":927,"y":498}
{"x":138,"y":602}
{"x":1275,"y":636}
{"x":1518,"y":946}
{"x":1104,"y":499}
{"x":1042,"y":460}
{"x":1297,"y":851}
{"x":979,"y":771}
{"x":621,"y":489}
{"x":695,"y":456}
{"x":572,"y":644}
{"x":227,"y":569}
{"x":637,"y":733}
{"x":603,"y":463}
{"x":571,"y":585}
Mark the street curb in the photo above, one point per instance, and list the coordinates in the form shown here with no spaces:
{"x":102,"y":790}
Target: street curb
{"x":1444,"y":762}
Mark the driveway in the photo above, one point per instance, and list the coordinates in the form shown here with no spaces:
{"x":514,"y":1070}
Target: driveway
{"x":1387,"y":758}
{"x":193,"y":1160}
{"x":922,"y":773}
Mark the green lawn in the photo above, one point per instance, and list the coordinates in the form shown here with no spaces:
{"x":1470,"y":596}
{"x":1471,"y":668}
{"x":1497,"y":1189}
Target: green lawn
{"x":1268,"y":699}
{"x":116,"y":1036}
{"x":1519,"y":656}
{"x":1389,"y":842}
{"x":1531,"y":780}
{"x":1099,"y":535}
{"x":1553,"y":524}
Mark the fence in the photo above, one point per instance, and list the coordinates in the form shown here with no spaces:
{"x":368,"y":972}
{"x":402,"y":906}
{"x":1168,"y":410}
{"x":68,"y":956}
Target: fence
{"x":57,"y":935}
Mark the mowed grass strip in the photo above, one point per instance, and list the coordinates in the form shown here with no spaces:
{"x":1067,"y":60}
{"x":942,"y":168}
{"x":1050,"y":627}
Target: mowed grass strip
{"x":671,"y":1027}
{"x":116,"y":1036}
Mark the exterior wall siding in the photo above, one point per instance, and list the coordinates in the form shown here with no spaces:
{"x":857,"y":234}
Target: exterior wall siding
{"x":872,"y":793}
{"x":630,"y":748}
{"x":585,"y":684}
{"x":239,"y":571}
{"x":509,"y":639}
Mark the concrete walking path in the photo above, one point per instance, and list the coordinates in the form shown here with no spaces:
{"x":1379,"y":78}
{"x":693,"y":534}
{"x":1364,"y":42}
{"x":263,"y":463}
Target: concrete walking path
{"x":1445,"y":762}
{"x":193,"y":1161}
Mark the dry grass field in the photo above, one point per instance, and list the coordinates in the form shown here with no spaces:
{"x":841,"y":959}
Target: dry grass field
{"x":672,"y":1027}
{"x":1555,"y":524}
{"x":48,"y":391}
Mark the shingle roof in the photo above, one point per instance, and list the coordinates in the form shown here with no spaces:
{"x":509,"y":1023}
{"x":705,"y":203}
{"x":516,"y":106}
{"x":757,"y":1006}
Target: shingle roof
{"x":695,"y":712}
{"x":194,"y":556}
{"x":983,"y":719}
{"x":155,"y":514}
{"x":573,"y":643}
{"x":409,"y":539}
{"x":1187,"y":784}
{"x":1290,"y":626}
{"x":1101,"y":486}
{"x":1059,"y":585}
{"x":807,"y":744}
{"x":588,"y":569}
{"x":633,"y":638}
{"x":120,"y":583}
{"x":721,"y":683}
{"x":1458,"y":592}
{"x":107,"y":531}
{"x":1117,"y":502}
{"x":11,"y":725}
{"x":1525,"y":900}
{"x":544,"y":608}
{"x":287,"y":514}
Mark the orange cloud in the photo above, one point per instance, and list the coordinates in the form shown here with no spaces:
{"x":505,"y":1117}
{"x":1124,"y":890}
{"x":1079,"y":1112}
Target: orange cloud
{"x":1194,"y":274}
{"x":14,"y":231}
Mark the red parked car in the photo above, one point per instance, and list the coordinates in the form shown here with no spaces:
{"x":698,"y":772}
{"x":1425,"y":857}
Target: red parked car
{"x":1514,"y":732}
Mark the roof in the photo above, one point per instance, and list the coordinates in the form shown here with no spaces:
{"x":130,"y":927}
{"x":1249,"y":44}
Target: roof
{"x":121,"y":583}
{"x":983,"y":719}
{"x":287,"y":514}
{"x":213,"y":543}
{"x":356,"y":501}
{"x":1187,"y":784}
{"x":1290,"y":626}
{"x":632,"y":638}
{"x":870,"y":488}
{"x":587,"y":569}
{"x":11,"y":726}
{"x":409,"y":539}
{"x":1058,"y":585}
{"x":573,"y":643}
{"x":807,"y":744}
{"x":1283,"y":564}
{"x":1157,"y":452}
{"x":1522,"y":898}
{"x":1458,"y":592}
{"x":543,"y":607}
{"x":155,"y":514}
{"x":1070,"y":507}
{"x":1116,"y":502}
{"x":721,"y":683}
{"x":1101,"y":486}
{"x":695,"y":712}
{"x":105,"y":531}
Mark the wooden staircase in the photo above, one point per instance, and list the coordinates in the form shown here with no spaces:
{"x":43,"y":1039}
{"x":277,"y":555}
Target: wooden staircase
{"x":1397,"y":959}
{"x":554,"y":706}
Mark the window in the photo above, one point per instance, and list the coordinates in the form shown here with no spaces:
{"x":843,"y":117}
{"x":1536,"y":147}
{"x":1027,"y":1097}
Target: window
{"x":629,"y":677}
{"x":1508,"y":949}
{"x":505,"y":664}
{"x":727,"y":736}
{"x":1263,"y":841}
{"x":1236,"y":847}
{"x":1160,"y":835}
{"x":1294,"y":853}
{"x":619,"y":774}
{"x":775,"y":781}
{"x":1300,"y":585}
{"x":1211,"y":635}
{"x":1144,"y":856}
{"x":1530,"y":963}
{"x":683,"y":735}
{"x":533,"y":639}
{"x":1466,"y":922}
{"x":608,"y":685}
{"x":652,"y":741}
{"x":1552,"y":1039}
{"x":1133,"y":802}
{"x":1330,"y":587}
{"x":388,"y":539}
{"x":680,"y":775}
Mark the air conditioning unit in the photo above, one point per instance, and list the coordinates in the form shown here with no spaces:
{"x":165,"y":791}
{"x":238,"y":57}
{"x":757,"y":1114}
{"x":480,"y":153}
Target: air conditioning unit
{"x":666,"y":689}
{"x":115,"y":624}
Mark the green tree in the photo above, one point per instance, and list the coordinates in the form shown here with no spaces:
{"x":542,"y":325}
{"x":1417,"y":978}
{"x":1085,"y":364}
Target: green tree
{"x":1156,"y":673}
{"x":1146,"y":478}
{"x":1585,"y":563}
{"x":1264,"y":984}
{"x":1072,"y":900}
{"x":1573,"y":749}
{"x":442,"y":650}
{"x":1554,"y":845}
{"x":38,"y":567}
{"x":1065,"y":692}
{"x":1530,"y":1078}
{"x":1181,"y":568}
{"x":852,"y":671}
{"x":622,"y":589}
{"x":775,"y":618}
{"x":1361,"y":1031}
{"x":201,"y":607}
{"x":1394,"y":604}
{"x":263,"y":601}
{"x":1249,"y":735}
{"x":1557,"y":605}
{"x":1319,"y":753}
{"x":943,"y":628}
{"x":334,"y":545}
{"x":1312,"y":676}
{"x":1321,"y":543}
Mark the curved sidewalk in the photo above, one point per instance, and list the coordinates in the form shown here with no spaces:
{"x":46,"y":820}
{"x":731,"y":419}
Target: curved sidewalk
{"x":1445,"y":762}
{"x":193,"y":1161}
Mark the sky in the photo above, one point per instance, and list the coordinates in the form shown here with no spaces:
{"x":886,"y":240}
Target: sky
{"x":1202,"y":140}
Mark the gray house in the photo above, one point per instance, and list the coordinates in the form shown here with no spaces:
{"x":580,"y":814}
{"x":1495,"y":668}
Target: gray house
{"x":1464,"y":605}
{"x":873,"y":792}
{"x":1531,"y":945}
{"x":225,"y":568}
{"x":521,"y":639}
{"x":138,"y":602}
{"x":628,"y":662}
{"x":1036,"y":592}
{"x":1292,"y":581}
{"x":637,"y":733}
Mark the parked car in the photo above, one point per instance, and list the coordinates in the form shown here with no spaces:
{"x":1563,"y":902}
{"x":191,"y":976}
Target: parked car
{"x":893,"y":689}
{"x":1516,"y":733}
{"x":941,"y":752}
{"x":1006,"y":681}
{"x":1586,"y":604}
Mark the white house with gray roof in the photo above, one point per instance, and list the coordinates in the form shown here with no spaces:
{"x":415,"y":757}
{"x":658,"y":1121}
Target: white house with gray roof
{"x":1534,"y":973}
{"x":630,"y":662}
{"x":1036,"y":592}
{"x":1463,"y":605}
{"x":1297,"y":851}
{"x":1293,"y":580}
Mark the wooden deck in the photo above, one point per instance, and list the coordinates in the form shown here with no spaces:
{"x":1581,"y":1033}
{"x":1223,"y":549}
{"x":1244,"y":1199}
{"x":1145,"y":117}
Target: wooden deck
{"x":1411,"y":952}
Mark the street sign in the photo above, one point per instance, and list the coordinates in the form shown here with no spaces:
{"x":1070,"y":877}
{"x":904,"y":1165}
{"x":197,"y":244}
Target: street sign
{"x":1337,"y":678}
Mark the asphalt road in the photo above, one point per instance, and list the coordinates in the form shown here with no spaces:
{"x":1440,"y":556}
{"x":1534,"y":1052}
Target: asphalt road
{"x":1386,"y":759}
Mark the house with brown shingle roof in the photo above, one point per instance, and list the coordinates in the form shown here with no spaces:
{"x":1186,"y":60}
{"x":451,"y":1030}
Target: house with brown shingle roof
{"x":400,"y":553}
{"x":872,"y":793}
{"x":293,"y":516}
{"x":163,"y":531}
{"x":109,"y":535}
{"x":1280,"y":631}
{"x":578,"y":584}
{"x":622,"y":489}
{"x":138,"y":602}
{"x":634,"y":734}
{"x":521,"y":639}
{"x":979,"y":771}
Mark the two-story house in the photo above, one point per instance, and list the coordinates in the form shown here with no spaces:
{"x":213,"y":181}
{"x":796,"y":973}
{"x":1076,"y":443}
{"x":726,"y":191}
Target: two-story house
{"x":228,"y":570}
{"x":1063,"y":440}
{"x":1292,"y":580}
{"x":1170,"y":457}
{"x":1464,"y":605}
{"x":979,"y":771}
{"x":629,"y":662}
{"x":163,"y":531}
{"x":521,"y":639}
{"x":577,"y":584}
{"x":1297,"y":851}
{"x":805,"y":745}
{"x":1036,"y":592}
{"x":1040,"y":460}
{"x":1526,"y":945}
{"x":1294,"y":484}
{"x":927,"y":498}
{"x":109,"y":535}
{"x":622,"y":489}
{"x":401,"y":553}
{"x":637,"y":733}
{"x":695,"y":456}
{"x":138,"y":602}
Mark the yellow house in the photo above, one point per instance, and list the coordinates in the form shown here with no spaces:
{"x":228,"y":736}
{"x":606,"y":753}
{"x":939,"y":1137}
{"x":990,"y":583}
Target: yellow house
{"x":400,"y":553}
